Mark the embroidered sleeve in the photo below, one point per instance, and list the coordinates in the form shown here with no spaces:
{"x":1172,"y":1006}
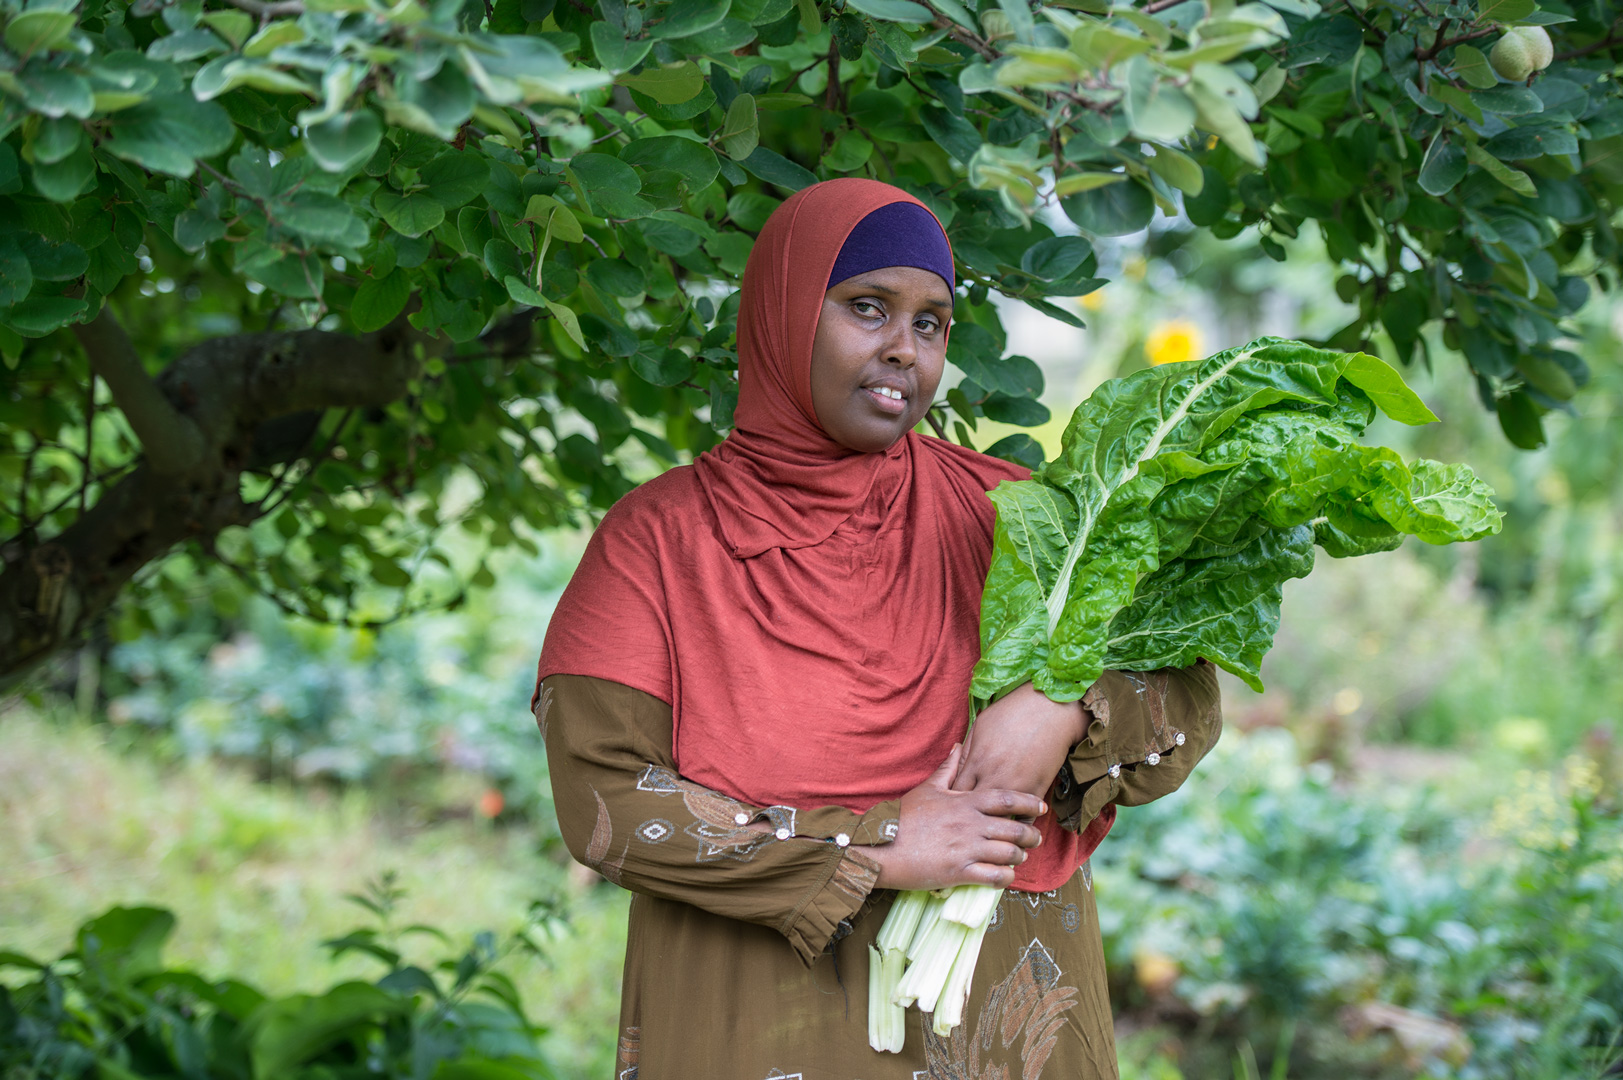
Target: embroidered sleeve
{"x":626,"y":813}
{"x":1146,"y":732}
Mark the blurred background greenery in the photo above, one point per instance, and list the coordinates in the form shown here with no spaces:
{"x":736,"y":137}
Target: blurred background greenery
{"x":1404,"y":859}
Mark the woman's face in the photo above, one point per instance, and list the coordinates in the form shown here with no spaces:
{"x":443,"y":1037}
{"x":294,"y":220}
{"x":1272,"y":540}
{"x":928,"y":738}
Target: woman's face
{"x":880,"y":349}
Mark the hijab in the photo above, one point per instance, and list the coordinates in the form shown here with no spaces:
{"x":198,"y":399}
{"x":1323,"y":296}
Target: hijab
{"x":809,"y":612}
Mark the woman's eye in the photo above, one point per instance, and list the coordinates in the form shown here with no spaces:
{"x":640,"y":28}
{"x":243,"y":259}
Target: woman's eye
{"x":866,"y":307}
{"x":926,"y":326}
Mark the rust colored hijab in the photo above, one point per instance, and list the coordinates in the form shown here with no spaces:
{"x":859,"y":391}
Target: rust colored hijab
{"x":809,"y":612}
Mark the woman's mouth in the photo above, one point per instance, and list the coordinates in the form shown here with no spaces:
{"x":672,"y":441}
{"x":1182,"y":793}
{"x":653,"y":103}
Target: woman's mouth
{"x":887,"y":398}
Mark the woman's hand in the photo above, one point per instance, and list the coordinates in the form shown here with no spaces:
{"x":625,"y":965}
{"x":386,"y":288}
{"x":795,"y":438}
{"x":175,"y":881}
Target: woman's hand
{"x":948,"y":837}
{"x":1020,"y":742}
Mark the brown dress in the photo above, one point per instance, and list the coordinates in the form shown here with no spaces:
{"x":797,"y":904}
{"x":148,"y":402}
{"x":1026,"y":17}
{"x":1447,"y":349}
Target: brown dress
{"x":747,"y":952}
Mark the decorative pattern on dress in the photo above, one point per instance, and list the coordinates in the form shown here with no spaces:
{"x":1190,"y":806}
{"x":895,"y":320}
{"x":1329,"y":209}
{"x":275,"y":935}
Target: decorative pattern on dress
{"x":720,"y":823}
{"x":630,"y":1050}
{"x":1027,"y":1007}
{"x":597,"y":849}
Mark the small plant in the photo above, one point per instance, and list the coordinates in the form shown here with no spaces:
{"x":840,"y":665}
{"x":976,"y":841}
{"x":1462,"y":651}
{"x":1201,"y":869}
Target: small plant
{"x":109,"y":1008}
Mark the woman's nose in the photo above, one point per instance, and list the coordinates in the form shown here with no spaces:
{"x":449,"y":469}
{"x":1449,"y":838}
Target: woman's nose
{"x":901,"y":349}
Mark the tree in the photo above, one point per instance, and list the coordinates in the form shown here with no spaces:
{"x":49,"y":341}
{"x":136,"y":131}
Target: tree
{"x":299,"y":285}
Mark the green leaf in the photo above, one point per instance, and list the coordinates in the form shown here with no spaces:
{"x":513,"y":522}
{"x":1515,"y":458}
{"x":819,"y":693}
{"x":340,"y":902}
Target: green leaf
{"x":455,"y":178}
{"x":1387,"y":389}
{"x":56,"y":139}
{"x":663,"y":367}
{"x":1524,"y":143}
{"x":290,"y":1031}
{"x":16,"y":276}
{"x":849,"y":152}
{"x":741,"y":131}
{"x":128,"y":940}
{"x":1459,"y":100}
{"x":319,"y":216}
{"x":62,"y":181}
{"x":1509,"y":101}
{"x":169,"y":133}
{"x":55,"y":92}
{"x":1443,"y":166}
{"x":684,"y":18}
{"x":613,"y":51}
{"x":53,"y":261}
{"x":1504,"y":11}
{"x":1473,"y":67}
{"x":234,"y":26}
{"x":810,"y":21}
{"x":40,"y":315}
{"x":409,"y":215}
{"x":951,"y":132}
{"x":1157,"y":110}
{"x":1074,"y":183}
{"x":1056,"y":258}
{"x":273,"y":36}
{"x":958,"y":13}
{"x":694,"y":161}
{"x":667,"y":85}
{"x":1178,"y":169}
{"x":774,"y":168}
{"x":901,"y":11}
{"x":1514,"y":179}
{"x":39,"y":31}
{"x":346,"y":141}
{"x":566,"y":318}
{"x":1112,"y":210}
{"x":609,"y":186}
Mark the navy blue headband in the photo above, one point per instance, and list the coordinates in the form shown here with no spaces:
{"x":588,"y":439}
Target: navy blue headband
{"x":897,"y":234}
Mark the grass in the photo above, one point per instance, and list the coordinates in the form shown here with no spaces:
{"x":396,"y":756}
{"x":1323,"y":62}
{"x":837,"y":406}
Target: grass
{"x":257,"y":875}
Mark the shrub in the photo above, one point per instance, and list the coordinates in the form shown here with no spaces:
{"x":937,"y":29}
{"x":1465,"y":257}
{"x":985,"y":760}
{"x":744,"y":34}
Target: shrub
{"x":111,"y":1009}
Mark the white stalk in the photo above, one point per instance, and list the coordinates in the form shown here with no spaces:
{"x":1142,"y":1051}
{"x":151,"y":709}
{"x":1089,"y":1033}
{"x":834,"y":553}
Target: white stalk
{"x":903,"y":921}
{"x":927,"y":920}
{"x":949,"y":1010}
{"x":972,"y":905}
{"x":887,"y":1021}
{"x":926,"y":978}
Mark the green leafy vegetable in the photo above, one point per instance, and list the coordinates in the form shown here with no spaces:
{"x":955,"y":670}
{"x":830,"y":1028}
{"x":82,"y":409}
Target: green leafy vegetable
{"x":1182,"y":500}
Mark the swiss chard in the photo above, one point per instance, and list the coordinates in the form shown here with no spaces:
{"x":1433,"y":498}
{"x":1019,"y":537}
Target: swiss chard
{"x":1184,"y":496}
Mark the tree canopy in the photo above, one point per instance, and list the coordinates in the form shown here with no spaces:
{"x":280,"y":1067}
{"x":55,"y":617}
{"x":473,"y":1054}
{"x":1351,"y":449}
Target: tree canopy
{"x":302,"y":285}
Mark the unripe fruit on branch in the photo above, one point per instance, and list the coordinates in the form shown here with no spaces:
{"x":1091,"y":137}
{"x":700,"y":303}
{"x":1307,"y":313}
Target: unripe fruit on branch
{"x":1522,"y":51}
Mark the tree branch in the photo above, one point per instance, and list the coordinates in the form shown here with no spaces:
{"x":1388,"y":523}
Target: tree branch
{"x":232,"y":389}
{"x":173,"y":444}
{"x":1606,"y":42}
{"x":1423,"y":55}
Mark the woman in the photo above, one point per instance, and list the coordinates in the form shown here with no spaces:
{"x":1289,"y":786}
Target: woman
{"x":754,"y":688}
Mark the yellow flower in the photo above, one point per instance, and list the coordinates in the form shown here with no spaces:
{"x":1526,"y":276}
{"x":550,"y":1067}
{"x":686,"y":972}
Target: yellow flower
{"x":1093,"y":301}
{"x":1173,"y":342}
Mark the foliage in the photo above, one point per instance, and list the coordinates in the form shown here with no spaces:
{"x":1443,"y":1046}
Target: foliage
{"x":109,"y":1007}
{"x":559,"y":200}
{"x":311,"y":703}
{"x":1283,"y":897}
{"x":1182,"y":499}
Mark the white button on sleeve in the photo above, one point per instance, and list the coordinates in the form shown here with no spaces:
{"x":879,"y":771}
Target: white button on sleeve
{"x":783,"y":834}
{"x":1115,"y":771}
{"x":842,"y":840}
{"x":1154,"y":759}
{"x":1180,"y":739}
{"x":742,"y":818}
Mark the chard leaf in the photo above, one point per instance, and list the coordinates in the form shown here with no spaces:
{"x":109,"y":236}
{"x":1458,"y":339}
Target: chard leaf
{"x":1182,"y":499}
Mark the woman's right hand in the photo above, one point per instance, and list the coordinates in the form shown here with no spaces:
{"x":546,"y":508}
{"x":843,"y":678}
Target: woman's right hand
{"x":948,"y":837}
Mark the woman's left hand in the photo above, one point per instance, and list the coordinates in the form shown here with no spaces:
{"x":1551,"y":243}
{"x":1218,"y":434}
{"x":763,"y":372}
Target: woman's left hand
{"x":1020,"y":742}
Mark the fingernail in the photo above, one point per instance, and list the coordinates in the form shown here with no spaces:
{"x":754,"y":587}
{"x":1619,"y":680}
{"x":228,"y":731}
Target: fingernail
{"x":1043,"y":811}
